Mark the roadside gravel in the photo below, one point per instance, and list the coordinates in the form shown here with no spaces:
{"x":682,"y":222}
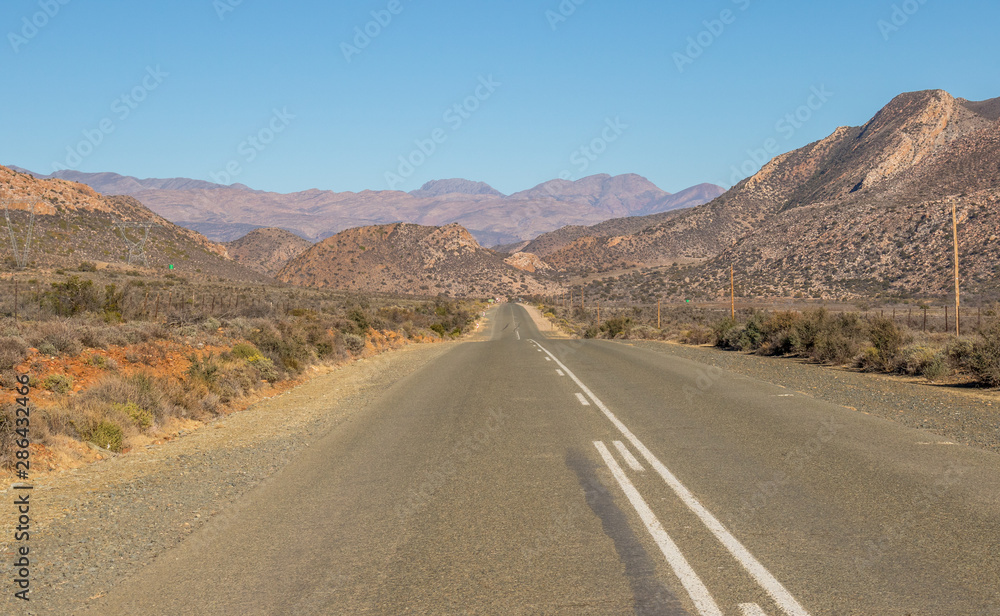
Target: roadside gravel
{"x":93,"y":527}
{"x":953,"y":414}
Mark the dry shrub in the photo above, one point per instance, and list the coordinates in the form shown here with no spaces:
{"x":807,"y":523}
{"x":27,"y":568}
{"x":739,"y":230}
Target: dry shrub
{"x":13,"y":351}
{"x":57,"y":334}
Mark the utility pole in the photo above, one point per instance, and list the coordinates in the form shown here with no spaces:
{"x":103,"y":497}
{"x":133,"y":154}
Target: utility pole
{"x":954,"y":228}
{"x":658,"y":315}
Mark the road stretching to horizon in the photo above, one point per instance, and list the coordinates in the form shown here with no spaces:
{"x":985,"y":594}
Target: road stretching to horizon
{"x":524,"y":475}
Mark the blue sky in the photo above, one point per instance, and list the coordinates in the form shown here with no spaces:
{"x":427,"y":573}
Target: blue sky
{"x":288,"y":96}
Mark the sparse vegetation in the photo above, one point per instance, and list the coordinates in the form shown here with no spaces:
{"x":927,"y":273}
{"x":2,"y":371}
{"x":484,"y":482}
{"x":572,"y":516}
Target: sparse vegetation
{"x":872,"y":343}
{"x":191,"y":353}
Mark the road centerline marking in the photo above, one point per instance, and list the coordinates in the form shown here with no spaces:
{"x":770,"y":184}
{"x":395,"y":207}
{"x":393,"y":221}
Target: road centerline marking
{"x":754,"y":567}
{"x":582,"y":400}
{"x":695,"y":588}
{"x":628,"y":457}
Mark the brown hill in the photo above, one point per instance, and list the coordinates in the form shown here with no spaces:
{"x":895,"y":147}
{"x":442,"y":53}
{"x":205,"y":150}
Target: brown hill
{"x":226,"y":213}
{"x":267,"y":250}
{"x":861,"y":212}
{"x":410,"y":259}
{"x":73,"y":224}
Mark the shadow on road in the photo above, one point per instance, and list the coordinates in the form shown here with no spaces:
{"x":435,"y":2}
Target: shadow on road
{"x":652,"y":598}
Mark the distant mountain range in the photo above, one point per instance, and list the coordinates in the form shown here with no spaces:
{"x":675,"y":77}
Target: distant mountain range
{"x":225,"y":213}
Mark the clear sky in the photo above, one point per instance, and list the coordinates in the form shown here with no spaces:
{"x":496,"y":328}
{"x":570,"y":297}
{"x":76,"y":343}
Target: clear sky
{"x":290,"y":96}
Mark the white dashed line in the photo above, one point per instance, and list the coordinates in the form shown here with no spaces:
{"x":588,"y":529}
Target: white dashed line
{"x":689,"y":579}
{"x":752,"y":609}
{"x":627,"y":455}
{"x":548,"y":359}
{"x":757,"y":571}
{"x":560,"y":373}
{"x":582,"y":400}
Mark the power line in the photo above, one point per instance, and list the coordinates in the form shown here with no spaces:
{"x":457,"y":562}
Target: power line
{"x":20,"y":256}
{"x":136,"y":248}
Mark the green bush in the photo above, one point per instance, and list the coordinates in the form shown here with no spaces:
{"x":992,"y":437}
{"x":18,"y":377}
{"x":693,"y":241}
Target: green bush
{"x":142,"y":417}
{"x":925,"y":361}
{"x":105,"y":434}
{"x":985,"y":357}
{"x":140,"y":389}
{"x":245,"y":351}
{"x":888,"y":340}
{"x":73,"y":296}
{"x":203,"y":369}
{"x":58,"y":383}
{"x":617,"y":327}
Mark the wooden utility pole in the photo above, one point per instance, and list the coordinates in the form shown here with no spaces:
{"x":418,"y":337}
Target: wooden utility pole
{"x":658,"y":315}
{"x":15,"y":298}
{"x":598,"y":315}
{"x":954,"y":228}
{"x":732,"y":292}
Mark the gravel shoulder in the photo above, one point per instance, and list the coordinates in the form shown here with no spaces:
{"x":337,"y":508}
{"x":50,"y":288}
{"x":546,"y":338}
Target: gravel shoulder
{"x":92,"y":527}
{"x":952,"y":414}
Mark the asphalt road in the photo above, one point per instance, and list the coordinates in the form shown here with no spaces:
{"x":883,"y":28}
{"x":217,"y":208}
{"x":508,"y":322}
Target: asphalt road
{"x":523,"y":475}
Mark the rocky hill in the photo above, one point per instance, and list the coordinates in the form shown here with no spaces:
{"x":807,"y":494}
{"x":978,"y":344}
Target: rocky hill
{"x":73,"y":224}
{"x":267,"y":250}
{"x":863,"y":212}
{"x":225,"y":213}
{"x":410,"y":259}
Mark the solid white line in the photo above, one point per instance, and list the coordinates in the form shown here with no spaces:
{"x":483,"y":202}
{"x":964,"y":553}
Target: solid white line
{"x":629,"y":458}
{"x":582,"y":400}
{"x":759,"y":572}
{"x":518,"y":334}
{"x":689,"y":579}
{"x":752,"y":609}
{"x":560,"y":373}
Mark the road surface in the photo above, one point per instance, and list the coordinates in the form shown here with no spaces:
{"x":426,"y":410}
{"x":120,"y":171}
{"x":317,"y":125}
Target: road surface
{"x":524,"y":475}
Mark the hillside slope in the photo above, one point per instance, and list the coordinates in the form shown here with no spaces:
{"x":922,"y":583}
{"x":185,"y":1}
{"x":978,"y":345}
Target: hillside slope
{"x":410,"y":259}
{"x":73,"y":223}
{"x":864,"y":211}
{"x":267,"y":250}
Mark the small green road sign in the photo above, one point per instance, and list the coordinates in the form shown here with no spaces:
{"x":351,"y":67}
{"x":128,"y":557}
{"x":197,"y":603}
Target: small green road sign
{"x":171,"y":266}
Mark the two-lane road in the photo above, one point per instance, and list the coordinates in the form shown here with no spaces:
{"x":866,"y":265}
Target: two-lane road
{"x":525,"y":475}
